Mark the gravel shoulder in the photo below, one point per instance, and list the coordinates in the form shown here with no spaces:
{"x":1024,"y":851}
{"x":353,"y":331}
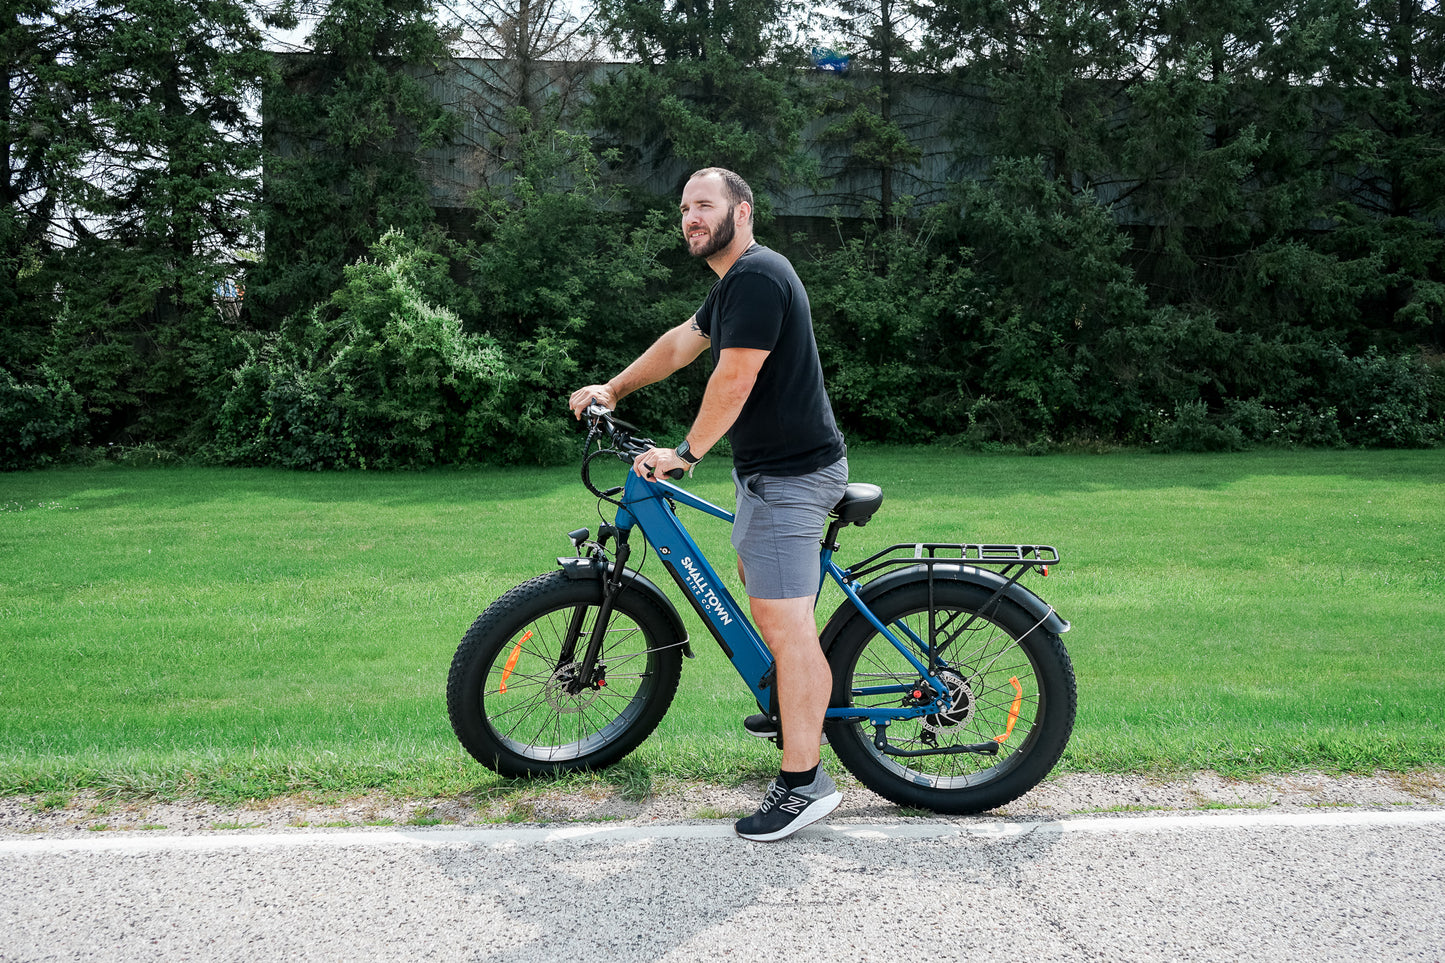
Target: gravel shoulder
{"x":1067,"y":795}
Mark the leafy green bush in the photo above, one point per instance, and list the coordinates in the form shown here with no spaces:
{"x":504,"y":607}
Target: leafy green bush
{"x":379,"y":378}
{"x":555,"y":261}
{"x":1263,"y":423}
{"x":38,"y":422}
{"x":892,"y":316}
{"x":1321,"y":397}
{"x":1193,"y":429}
{"x":1058,"y":294}
{"x":1385,"y":400}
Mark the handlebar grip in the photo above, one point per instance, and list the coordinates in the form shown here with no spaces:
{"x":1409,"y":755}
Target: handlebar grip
{"x":673,"y":475}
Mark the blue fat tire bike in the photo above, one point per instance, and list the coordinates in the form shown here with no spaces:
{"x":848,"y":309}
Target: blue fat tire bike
{"x":952,"y":690}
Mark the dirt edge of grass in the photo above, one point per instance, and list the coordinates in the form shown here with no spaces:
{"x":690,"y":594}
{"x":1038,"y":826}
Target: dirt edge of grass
{"x":1070,"y":794}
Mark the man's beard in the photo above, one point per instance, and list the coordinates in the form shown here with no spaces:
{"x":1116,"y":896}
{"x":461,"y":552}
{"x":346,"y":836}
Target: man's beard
{"x":720,"y":238}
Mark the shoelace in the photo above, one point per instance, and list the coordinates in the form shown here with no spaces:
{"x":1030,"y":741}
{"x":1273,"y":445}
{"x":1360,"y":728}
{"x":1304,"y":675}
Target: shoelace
{"x":776,"y":794}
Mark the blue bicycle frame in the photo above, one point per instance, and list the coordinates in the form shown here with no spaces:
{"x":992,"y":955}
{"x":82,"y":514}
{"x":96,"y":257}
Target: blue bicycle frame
{"x":648,"y":505}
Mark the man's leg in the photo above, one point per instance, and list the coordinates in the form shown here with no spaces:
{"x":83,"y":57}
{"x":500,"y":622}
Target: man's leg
{"x":776,"y":531}
{"x":803,"y":679}
{"x":803,"y":793}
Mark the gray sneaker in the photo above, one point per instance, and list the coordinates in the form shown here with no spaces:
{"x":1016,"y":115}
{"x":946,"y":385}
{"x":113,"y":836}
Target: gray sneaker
{"x":785,"y":811}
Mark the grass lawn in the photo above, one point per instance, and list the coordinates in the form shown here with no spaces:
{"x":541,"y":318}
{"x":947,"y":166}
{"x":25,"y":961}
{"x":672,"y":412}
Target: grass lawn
{"x":239,"y":633}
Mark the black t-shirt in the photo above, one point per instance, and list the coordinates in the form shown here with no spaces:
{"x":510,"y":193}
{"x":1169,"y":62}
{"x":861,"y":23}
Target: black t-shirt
{"x":786,"y":426}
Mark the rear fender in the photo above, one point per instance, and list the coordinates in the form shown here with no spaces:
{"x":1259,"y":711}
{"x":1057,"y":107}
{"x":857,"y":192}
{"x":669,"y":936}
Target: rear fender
{"x":1041,"y":611}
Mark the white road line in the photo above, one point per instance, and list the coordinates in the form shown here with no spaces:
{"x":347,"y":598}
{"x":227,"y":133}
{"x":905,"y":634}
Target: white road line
{"x":590,"y":834}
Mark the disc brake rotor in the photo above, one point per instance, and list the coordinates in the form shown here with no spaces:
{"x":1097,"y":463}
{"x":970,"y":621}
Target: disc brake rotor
{"x":961,"y":694}
{"x":560,"y":692}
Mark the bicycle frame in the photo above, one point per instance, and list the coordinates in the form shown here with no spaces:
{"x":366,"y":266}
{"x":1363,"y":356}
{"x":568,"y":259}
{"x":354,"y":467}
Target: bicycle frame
{"x":648,"y":505}
{"x":935,"y":641}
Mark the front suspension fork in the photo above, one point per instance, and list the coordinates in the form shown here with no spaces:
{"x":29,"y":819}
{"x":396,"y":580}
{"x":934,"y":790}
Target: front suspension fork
{"x":590,"y":675}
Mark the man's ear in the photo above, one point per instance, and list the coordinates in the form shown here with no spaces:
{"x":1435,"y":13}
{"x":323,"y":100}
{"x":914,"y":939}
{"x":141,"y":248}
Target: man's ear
{"x":744,"y":214}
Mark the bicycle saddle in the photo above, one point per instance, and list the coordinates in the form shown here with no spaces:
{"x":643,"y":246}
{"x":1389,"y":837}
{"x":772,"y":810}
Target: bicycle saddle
{"x":858,"y":504}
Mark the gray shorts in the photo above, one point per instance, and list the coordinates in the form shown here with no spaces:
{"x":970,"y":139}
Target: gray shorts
{"x":779,"y":528}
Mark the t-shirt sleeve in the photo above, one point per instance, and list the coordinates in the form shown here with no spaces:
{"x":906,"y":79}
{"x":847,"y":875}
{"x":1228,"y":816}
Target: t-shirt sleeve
{"x":703,"y":317}
{"x":750,"y":310}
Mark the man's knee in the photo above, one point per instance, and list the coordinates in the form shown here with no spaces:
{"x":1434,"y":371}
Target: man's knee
{"x":785,"y":622}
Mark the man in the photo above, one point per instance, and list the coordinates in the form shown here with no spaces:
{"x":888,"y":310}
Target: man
{"x":789,"y":466}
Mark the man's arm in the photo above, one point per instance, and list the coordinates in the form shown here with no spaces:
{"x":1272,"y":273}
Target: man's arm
{"x":677,"y":348}
{"x":727,"y":391}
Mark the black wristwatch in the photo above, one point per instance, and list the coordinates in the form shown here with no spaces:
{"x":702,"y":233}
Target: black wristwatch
{"x":684,"y":451}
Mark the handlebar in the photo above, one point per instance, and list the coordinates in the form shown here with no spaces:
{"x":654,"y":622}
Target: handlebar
{"x":626,"y":439}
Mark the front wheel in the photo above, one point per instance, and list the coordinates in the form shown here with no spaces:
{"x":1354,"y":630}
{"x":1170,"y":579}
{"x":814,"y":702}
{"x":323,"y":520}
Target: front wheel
{"x":1012,"y":690}
{"x":514,"y":693}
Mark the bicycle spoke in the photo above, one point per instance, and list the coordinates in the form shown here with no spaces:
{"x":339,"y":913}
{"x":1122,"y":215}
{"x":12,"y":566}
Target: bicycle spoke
{"x":981,"y":661}
{"x":538,"y":713}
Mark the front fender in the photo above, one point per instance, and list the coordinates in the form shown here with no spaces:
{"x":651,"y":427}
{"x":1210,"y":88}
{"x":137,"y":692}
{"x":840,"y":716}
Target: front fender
{"x":1016,"y":593}
{"x":576,"y":567}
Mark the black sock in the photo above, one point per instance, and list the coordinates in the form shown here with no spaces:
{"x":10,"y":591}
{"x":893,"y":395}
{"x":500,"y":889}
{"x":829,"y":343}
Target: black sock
{"x":797,"y":780}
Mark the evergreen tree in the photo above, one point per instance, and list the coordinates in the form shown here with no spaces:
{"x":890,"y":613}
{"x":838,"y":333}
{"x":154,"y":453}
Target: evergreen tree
{"x":708,"y":83}
{"x":39,"y":146}
{"x":873,"y":120}
{"x":1287,"y":159}
{"x":40,"y":414}
{"x":1382,"y":106}
{"x":521,"y":62}
{"x":344,"y":125}
{"x":159,"y":201}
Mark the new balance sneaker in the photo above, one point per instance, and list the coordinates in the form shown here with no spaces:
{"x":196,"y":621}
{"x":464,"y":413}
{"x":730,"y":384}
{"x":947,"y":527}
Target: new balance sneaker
{"x":760,"y":724}
{"x":785,"y":811}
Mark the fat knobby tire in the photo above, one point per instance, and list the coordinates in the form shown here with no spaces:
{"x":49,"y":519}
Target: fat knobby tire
{"x":508,"y":695}
{"x":1012,"y":680}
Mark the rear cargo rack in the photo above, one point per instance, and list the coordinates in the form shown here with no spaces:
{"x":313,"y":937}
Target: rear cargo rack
{"x":1008,"y":562}
{"x":1004,"y":558}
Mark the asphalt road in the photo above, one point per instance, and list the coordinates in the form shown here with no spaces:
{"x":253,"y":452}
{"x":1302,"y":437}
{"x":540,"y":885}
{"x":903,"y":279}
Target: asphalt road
{"x":1208,"y":886}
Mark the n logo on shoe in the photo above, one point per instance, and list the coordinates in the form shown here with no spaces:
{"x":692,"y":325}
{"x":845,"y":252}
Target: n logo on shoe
{"x":794,"y":805}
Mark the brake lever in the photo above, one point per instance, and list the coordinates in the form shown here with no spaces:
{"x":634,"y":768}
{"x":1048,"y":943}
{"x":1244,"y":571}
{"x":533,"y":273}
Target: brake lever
{"x":624,"y":435}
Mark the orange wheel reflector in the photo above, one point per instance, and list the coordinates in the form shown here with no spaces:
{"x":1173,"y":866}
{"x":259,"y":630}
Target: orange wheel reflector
{"x":1013,"y":712}
{"x":512,"y":660}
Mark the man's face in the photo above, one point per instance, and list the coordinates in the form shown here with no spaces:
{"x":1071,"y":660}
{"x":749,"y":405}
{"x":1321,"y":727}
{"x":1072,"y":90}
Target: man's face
{"x":709,"y":221}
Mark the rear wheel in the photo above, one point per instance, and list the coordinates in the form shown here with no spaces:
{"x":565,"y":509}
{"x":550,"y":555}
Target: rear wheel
{"x":1010,"y":681}
{"x":514,"y":695}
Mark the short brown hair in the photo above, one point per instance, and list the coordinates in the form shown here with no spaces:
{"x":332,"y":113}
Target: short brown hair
{"x":734,"y":186}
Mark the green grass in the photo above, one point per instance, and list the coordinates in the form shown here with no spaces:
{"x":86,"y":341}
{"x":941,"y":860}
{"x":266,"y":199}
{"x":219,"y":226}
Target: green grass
{"x":245,"y":633}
